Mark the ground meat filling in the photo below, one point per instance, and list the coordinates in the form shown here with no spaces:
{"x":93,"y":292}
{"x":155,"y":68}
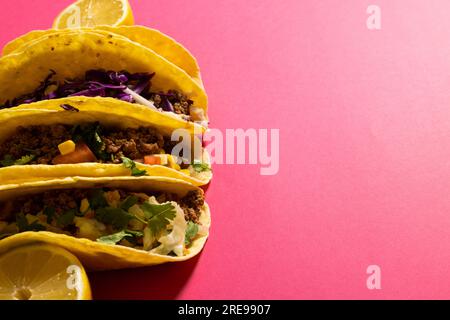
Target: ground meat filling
{"x":133,"y":143}
{"x":191,"y":204}
{"x":42,"y":143}
{"x":63,"y":200}
{"x":178,"y":101}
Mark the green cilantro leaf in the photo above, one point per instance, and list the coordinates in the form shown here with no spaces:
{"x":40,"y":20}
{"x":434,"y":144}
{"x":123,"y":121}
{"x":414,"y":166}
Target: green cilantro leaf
{"x":114,"y":238}
{"x":191,"y":233}
{"x":129,"y":202}
{"x":97,"y":199}
{"x":50,"y":213}
{"x":22,"y":222}
{"x":130,"y":164}
{"x":158,"y":215}
{"x":117,"y":217}
{"x":200,"y":166}
{"x":9,"y":161}
{"x":75,"y":132}
{"x":90,"y":134}
{"x":98,"y":145}
{"x":24,"y":160}
{"x":137,"y":234}
{"x":119,"y":236}
{"x":66,"y":218}
{"x":23,"y":225}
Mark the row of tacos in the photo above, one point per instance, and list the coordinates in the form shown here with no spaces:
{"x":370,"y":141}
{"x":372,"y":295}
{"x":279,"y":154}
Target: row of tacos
{"x":87,"y":147}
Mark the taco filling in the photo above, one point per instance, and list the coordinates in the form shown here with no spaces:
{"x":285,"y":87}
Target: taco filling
{"x":162,"y":223}
{"x":133,"y":88}
{"x":91,"y":142}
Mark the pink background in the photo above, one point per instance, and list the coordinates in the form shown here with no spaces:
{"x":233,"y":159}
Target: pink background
{"x":365,"y":147}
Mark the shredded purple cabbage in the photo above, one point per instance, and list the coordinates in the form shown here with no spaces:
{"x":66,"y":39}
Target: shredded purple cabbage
{"x":101,"y":83}
{"x":70,"y":108}
{"x":98,"y":83}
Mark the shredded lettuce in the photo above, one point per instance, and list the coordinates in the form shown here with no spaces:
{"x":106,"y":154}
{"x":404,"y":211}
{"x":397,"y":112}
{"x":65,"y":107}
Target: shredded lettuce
{"x":96,"y":83}
{"x":175,"y":240}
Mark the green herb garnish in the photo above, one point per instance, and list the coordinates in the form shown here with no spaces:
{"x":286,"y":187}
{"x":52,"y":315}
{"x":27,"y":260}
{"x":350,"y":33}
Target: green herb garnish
{"x":130,"y":164}
{"x":200,"y":166}
{"x":191,"y":233}
{"x":9,"y":161}
{"x":158,"y":216}
{"x":97,"y":199}
{"x":119,"y":236}
{"x":50,"y":213}
{"x":23,"y":225}
{"x":117,"y":217}
{"x":90,"y":134}
{"x":129,"y":202}
{"x":66,"y":218}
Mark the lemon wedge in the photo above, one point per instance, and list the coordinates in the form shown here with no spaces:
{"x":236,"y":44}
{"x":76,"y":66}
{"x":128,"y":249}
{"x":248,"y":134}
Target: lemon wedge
{"x":42,"y":272}
{"x":92,"y":13}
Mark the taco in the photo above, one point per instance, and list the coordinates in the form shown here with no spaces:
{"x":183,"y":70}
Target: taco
{"x":99,"y":63}
{"x":96,"y":137}
{"x":153,"y":39}
{"x":108,"y":223}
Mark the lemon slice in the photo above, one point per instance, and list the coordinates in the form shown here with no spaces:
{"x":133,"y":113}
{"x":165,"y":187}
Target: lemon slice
{"x":91,"y":13}
{"x":42,"y":272}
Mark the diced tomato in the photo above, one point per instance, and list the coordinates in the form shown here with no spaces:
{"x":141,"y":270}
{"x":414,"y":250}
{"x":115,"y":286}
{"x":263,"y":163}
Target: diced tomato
{"x":152,"y":160}
{"x":81,"y":154}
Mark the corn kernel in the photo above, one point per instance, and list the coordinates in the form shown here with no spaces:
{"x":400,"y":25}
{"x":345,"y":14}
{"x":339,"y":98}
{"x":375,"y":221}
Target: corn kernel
{"x":84,"y":206}
{"x":67,"y":147}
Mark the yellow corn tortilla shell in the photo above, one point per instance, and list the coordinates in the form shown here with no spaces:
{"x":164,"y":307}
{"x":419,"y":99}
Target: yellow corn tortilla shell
{"x":166,"y":121}
{"x":95,"y":255}
{"x":153,"y":39}
{"x":110,"y":113}
{"x":71,"y":53}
